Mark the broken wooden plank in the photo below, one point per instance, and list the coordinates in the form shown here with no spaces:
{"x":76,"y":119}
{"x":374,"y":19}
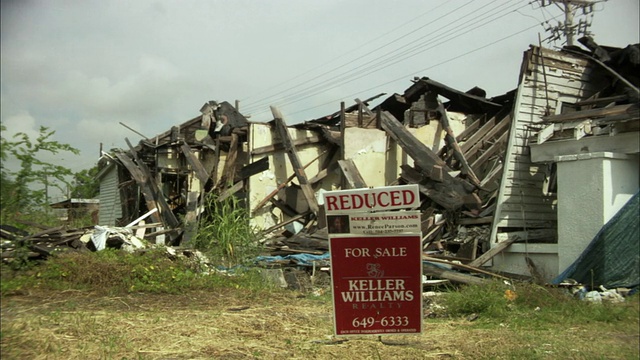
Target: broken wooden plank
{"x":450,"y":139}
{"x":254,"y":168}
{"x":351,"y":174}
{"x":158,"y":197}
{"x":216,"y":162}
{"x":283,"y":184}
{"x":476,"y":221}
{"x":464,"y":267}
{"x":313,"y":139}
{"x":230,"y":191}
{"x":307,"y":190}
{"x":452,"y":275}
{"x":492,"y":252}
{"x":491,"y":151}
{"x":141,"y":180}
{"x":495,"y":131}
{"x":423,"y":157}
{"x":284,"y":223}
{"x":593,"y":113}
{"x":450,"y":195}
{"x":196,"y":165}
{"x":228,"y":173}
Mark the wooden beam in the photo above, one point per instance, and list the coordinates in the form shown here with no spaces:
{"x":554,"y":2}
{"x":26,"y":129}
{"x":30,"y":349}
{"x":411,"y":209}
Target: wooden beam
{"x":314,"y":139}
{"x":228,"y":173}
{"x":452,"y":275}
{"x":450,"y":139}
{"x":196,"y":165}
{"x":307,"y":190}
{"x":141,"y":180}
{"x":254,"y":168}
{"x":230,"y":191}
{"x":164,"y":210}
{"x":492,"y":252}
{"x":424,"y":158}
{"x":284,"y":184}
{"x":593,"y":113}
{"x":351,"y":174}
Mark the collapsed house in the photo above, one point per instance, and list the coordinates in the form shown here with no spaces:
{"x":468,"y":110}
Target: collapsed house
{"x":452,"y":149}
{"x":520,"y":182}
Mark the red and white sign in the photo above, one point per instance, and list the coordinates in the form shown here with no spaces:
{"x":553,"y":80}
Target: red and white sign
{"x":376,"y":260}
{"x":384,"y":198}
{"x":377,"y":284}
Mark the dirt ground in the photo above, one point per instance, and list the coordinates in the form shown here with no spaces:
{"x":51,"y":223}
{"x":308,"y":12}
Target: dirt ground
{"x":239,"y":324}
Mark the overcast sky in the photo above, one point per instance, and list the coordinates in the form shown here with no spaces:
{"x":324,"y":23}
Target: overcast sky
{"x":81,"y":67}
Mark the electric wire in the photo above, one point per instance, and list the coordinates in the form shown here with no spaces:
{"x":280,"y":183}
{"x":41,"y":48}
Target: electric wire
{"x":404,"y":77}
{"x":343,"y":55}
{"x":261,"y":102}
{"x":417,"y":49}
{"x":383,"y":61}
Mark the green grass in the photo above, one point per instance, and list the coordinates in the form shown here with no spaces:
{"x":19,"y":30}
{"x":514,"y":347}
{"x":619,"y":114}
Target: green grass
{"x":117,"y":272}
{"x":535,"y":306}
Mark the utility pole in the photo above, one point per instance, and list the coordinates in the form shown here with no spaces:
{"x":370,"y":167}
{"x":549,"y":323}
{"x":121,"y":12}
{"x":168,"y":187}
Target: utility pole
{"x":569,"y":28}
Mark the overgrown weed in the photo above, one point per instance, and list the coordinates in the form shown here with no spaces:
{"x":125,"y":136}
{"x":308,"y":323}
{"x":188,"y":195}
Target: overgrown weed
{"x":224,"y":232}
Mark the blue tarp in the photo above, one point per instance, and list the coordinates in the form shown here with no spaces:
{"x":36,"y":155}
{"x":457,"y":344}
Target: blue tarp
{"x":300,"y":259}
{"x":612,"y":259}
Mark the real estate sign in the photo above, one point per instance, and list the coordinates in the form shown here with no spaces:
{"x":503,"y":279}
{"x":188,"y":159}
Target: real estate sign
{"x":376,"y":260}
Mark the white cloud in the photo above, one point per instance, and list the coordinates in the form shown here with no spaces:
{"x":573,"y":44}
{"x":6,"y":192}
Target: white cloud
{"x":22,"y":122}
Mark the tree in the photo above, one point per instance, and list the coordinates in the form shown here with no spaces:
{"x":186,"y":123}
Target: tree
{"x":26,"y":189}
{"x":85,"y":185}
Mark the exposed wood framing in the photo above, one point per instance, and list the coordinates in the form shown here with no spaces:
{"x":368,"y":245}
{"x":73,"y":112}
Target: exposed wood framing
{"x":351,"y":174}
{"x":307,"y":190}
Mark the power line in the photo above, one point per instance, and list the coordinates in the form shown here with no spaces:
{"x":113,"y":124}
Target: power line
{"x":404,"y":36}
{"x":383,"y":63}
{"x":404,"y":77}
{"x":345,"y":54}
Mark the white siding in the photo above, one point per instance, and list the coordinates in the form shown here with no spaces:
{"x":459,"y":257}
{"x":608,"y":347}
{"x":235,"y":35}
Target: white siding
{"x":110,"y":205}
{"x":521,"y":202}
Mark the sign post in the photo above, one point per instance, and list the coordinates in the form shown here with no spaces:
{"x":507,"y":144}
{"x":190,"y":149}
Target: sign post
{"x":376,"y":260}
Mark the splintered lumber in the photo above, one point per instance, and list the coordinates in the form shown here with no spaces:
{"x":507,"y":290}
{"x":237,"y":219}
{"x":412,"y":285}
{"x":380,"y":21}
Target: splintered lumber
{"x":307,"y":190}
{"x":282,"y":224}
{"x":452,"y":276}
{"x":139,"y":177}
{"x":450,"y":139}
{"x":313,"y":139}
{"x":492,"y":252}
{"x":196,"y":165}
{"x":284,"y":184}
{"x":464,"y":267}
{"x":158,"y":197}
{"x":230,"y":191}
{"x":351,"y":174}
{"x":593,"y":113}
{"x":254,"y":168}
{"x":424,"y":158}
{"x":228,"y":173}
